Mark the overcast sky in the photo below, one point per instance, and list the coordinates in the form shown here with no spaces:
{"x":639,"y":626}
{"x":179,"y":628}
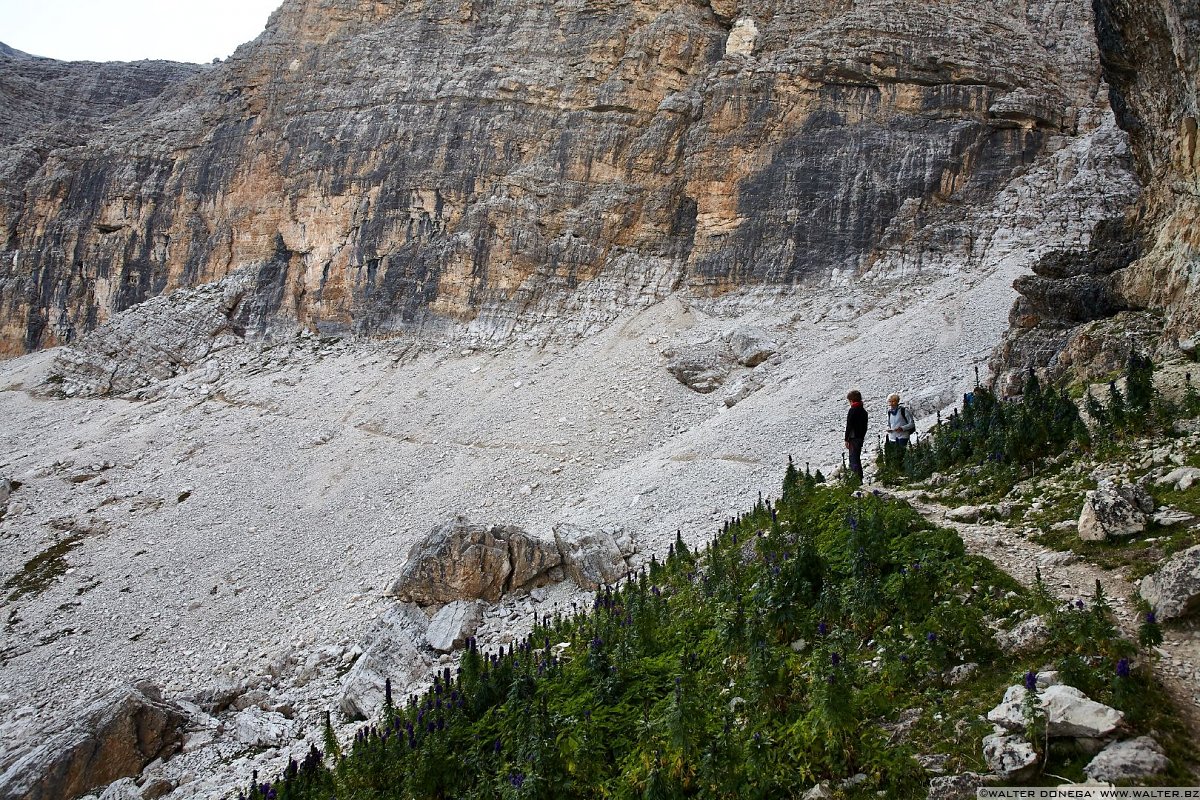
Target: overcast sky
{"x":130,"y":30}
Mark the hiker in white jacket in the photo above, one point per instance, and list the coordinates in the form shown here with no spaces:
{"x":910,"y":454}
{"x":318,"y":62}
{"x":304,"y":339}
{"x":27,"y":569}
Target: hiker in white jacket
{"x":900,"y":426}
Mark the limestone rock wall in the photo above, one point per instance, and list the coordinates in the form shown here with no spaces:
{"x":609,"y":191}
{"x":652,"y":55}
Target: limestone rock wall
{"x":1150,"y":50}
{"x":520,"y":164}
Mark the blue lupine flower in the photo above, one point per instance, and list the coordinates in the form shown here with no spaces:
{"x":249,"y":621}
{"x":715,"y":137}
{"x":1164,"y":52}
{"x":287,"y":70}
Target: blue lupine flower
{"x":1151,"y":618}
{"x":1123,"y":668}
{"x":1031,"y":681}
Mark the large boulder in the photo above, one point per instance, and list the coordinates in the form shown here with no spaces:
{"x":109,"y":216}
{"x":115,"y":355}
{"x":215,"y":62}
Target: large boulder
{"x":460,"y":560}
{"x":395,"y":649}
{"x":701,"y":368}
{"x":593,"y":556}
{"x":1068,"y":712}
{"x":751,"y":346}
{"x":113,"y":738}
{"x":453,"y":624}
{"x":1174,"y":590}
{"x":1113,"y":510}
{"x":1128,"y":760}
{"x":456,"y":560}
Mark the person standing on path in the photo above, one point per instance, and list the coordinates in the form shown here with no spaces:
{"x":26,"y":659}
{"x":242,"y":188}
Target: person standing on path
{"x":856,"y":431}
{"x":900,"y":426}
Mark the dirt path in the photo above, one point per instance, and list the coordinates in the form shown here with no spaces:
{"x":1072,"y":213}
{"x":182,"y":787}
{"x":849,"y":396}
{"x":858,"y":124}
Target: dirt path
{"x":1069,"y":577}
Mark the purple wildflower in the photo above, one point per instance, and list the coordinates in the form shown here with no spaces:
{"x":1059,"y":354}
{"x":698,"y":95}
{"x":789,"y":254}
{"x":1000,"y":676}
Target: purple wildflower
{"x":822,"y":628}
{"x":1030,"y":681}
{"x":1151,"y":618}
{"x":1123,"y":668}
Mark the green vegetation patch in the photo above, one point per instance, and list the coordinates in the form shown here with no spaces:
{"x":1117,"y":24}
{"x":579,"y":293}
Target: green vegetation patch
{"x":810,"y":640}
{"x":42,"y":570}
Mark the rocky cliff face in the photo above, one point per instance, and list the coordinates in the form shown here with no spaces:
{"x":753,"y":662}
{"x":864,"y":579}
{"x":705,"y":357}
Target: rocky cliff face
{"x":507,"y":168}
{"x":1137,"y":283}
{"x":1151,"y":57}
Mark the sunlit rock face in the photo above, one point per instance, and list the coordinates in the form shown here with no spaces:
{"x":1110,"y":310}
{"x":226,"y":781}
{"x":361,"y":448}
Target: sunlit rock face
{"x":502,"y":169}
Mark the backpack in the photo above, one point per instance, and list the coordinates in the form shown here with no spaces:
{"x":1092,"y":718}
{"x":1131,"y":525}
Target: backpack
{"x":906,"y":418}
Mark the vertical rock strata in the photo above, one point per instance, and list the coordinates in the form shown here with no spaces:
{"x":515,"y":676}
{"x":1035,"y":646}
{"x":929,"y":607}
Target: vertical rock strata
{"x":384,"y":166}
{"x":1151,"y":56}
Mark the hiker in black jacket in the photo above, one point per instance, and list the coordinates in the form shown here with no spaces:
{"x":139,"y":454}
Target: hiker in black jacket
{"x":856,"y":431}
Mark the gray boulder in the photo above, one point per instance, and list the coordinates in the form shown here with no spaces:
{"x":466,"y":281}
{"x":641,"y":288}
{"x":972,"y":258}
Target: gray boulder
{"x":1113,"y":511}
{"x":967,"y":513}
{"x":701,"y":368}
{"x":395,"y":649}
{"x":1068,"y":712}
{"x":1180,"y":479}
{"x":461,"y":560}
{"x":1174,"y":590}
{"x":254,"y":727}
{"x":961,"y":674}
{"x":1128,"y":760}
{"x":114,"y":738}
{"x":751,"y":346}
{"x":593,"y":556}
{"x":453,"y":624}
{"x":1011,"y":757}
{"x":1170,"y":517}
{"x":742,"y":388}
{"x":6,"y":489}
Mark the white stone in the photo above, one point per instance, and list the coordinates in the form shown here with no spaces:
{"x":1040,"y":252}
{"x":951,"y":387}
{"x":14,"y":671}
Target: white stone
{"x":1128,"y":760}
{"x":743,"y":38}
{"x":453,"y":624}
{"x":1180,"y":478}
{"x":124,"y":789}
{"x":394,"y":650}
{"x":254,"y":727}
{"x":1170,"y":517}
{"x":1067,"y":710}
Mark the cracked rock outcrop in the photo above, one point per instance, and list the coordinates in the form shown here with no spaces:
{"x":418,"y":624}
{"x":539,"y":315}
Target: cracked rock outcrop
{"x":115,"y":737}
{"x":494,"y":169}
